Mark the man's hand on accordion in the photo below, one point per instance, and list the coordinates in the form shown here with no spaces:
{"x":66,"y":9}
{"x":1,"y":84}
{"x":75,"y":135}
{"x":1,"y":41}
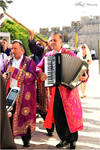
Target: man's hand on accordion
{"x":84,"y":77}
{"x":43,"y":76}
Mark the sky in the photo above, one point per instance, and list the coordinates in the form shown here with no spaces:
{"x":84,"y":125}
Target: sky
{"x":36,"y":14}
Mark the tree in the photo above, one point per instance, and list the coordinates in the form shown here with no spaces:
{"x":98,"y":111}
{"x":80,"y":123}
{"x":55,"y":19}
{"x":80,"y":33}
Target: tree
{"x":18,"y":32}
{"x":4,"y":3}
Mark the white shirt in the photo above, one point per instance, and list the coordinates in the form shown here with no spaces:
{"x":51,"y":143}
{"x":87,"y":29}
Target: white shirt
{"x":3,"y":60}
{"x":93,"y":52}
{"x":57,"y":51}
{"x":15,"y":63}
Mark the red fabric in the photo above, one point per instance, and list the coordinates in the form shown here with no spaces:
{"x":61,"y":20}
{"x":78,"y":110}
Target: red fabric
{"x":50,"y":117}
{"x":8,"y":84}
{"x":18,"y":83}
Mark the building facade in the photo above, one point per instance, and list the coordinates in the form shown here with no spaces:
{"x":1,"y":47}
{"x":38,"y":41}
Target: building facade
{"x":6,"y":36}
{"x":87,"y":30}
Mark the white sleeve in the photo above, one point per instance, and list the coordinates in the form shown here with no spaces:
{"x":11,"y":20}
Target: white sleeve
{"x":89,"y":56}
{"x":5,"y":58}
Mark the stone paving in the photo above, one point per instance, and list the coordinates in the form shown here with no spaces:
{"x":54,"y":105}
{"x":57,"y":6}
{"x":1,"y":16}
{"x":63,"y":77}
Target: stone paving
{"x":89,"y":137}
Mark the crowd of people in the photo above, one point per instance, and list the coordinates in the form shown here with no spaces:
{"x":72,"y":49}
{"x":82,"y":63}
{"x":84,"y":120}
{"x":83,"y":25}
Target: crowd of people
{"x":59,"y":106}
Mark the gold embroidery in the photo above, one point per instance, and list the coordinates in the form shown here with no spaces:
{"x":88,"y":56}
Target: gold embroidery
{"x":25,"y":111}
{"x":24,"y":66}
{"x":20,"y":74}
{"x":23,"y":128}
{"x":27,"y":95}
{"x":28,"y":75}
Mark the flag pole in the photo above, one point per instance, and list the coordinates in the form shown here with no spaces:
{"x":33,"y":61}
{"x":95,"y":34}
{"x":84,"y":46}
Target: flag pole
{"x":24,"y":26}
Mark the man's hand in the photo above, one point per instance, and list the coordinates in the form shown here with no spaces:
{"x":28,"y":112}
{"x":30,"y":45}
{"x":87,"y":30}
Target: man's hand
{"x":43,"y":76}
{"x":10,"y":69}
{"x":5,"y":75}
{"x":89,"y":61}
{"x":83,"y":78}
{"x":31,"y":33}
{"x":9,"y":114}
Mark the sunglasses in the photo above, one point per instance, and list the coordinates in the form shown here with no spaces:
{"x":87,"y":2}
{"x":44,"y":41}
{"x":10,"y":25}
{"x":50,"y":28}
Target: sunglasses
{"x":83,"y":47}
{"x":39,"y":44}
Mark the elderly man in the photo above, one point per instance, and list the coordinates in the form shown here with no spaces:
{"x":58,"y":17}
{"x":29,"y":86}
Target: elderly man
{"x":21,"y":71}
{"x":65,"y":107}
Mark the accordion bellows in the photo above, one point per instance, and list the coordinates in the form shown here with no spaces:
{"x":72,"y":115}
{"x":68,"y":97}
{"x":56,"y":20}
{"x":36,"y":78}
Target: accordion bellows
{"x":63,"y":69}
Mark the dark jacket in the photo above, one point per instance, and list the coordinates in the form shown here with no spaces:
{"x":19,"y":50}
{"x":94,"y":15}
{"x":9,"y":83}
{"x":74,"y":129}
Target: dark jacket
{"x":7,"y":51}
{"x":36,"y":50}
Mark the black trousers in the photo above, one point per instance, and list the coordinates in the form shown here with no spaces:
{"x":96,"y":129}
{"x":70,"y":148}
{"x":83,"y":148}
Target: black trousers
{"x":43,"y":115}
{"x":61,"y":121}
{"x":27,"y":137}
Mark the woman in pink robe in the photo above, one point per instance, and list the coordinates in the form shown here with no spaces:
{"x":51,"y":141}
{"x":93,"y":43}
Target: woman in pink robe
{"x":64,"y":104}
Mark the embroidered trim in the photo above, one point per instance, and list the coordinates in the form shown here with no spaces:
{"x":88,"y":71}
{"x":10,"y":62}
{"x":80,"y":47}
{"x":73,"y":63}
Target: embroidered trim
{"x":25,"y":111}
{"x":27,"y":95}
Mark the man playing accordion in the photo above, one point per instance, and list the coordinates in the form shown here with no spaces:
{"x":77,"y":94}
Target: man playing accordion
{"x":64,"y":104}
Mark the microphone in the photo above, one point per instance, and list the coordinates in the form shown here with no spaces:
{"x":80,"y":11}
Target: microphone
{"x":11,"y":60}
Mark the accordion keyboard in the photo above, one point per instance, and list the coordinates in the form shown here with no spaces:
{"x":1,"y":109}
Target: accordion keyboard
{"x":50,"y":70}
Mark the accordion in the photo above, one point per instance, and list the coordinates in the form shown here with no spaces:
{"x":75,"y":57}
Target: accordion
{"x":63,"y":69}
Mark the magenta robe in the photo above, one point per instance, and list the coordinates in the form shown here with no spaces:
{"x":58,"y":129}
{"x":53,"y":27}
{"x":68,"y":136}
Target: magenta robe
{"x":70,"y":100}
{"x":25,"y":113}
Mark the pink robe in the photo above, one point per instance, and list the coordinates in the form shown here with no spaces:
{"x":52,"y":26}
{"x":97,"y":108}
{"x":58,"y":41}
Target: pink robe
{"x":70,"y":100}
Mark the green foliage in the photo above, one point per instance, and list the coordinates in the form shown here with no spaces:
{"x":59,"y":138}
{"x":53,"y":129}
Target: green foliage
{"x":9,"y":1}
{"x":3,"y":3}
{"x":18,"y":32}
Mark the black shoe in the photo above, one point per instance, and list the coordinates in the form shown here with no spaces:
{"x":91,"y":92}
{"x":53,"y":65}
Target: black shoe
{"x":26,"y":138}
{"x":49,"y":134}
{"x":26,"y":144}
{"x":72,"y":145}
{"x":63,"y":144}
{"x":26,"y":141}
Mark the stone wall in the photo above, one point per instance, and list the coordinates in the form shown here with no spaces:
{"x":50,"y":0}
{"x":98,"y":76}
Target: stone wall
{"x":88,"y":29}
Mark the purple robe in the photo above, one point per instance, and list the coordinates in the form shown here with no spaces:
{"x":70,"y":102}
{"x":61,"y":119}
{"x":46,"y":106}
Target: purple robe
{"x":25,"y":113}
